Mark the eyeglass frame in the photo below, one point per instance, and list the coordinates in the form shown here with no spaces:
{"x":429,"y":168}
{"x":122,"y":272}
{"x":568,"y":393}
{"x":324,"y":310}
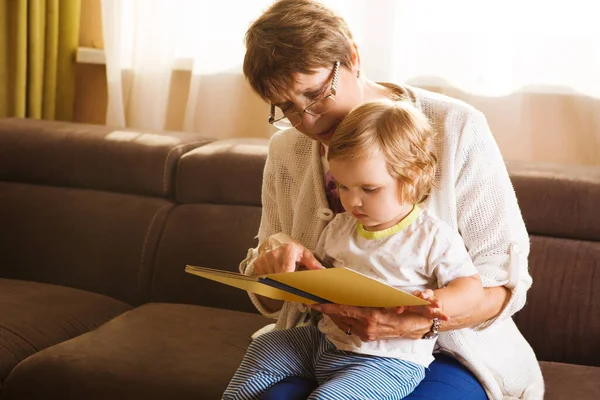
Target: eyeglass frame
{"x":332,"y":93}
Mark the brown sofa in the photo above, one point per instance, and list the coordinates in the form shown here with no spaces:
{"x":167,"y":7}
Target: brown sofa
{"x":96,"y":226}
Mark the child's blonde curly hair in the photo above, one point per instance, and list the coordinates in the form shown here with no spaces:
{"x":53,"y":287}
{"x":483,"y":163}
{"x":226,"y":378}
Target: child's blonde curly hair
{"x":404,"y":136}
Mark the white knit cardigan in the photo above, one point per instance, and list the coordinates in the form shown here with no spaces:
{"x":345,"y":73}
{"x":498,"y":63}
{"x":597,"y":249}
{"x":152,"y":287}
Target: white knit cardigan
{"x":473,"y":194}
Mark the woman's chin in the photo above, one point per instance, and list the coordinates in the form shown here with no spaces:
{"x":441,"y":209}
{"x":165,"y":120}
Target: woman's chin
{"x":325,"y":137}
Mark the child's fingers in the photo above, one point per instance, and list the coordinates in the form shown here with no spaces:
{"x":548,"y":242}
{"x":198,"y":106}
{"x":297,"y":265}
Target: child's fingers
{"x":435,"y":302}
{"x":438,"y":313}
{"x":425,"y":294}
{"x":442,"y":316}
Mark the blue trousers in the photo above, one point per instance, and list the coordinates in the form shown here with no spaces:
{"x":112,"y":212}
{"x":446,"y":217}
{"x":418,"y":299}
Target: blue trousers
{"x":341,"y":375}
{"x":446,"y":379}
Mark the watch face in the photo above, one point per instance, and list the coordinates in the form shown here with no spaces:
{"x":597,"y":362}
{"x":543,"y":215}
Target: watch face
{"x":430,"y":335}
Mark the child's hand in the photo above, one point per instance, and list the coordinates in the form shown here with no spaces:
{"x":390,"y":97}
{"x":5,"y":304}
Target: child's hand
{"x":433,"y":310}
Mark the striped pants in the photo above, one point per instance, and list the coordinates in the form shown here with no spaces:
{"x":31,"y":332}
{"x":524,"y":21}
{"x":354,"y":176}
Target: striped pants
{"x":341,"y":375}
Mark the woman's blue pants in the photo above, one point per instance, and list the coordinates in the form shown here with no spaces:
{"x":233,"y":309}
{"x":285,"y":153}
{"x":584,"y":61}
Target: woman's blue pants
{"x":446,"y":379}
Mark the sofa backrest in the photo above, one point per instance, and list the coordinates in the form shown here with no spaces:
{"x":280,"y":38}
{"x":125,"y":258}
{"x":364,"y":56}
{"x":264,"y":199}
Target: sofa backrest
{"x":122,"y":212}
{"x":214,"y":223}
{"x":561,"y":208}
{"x":214,"y":228}
{"x":84,"y":205}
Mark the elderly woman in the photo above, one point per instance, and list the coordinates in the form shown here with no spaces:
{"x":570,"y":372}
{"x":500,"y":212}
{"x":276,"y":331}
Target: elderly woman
{"x":301,"y":59}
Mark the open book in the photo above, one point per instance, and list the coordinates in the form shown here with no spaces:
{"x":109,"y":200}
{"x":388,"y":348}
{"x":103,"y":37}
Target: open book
{"x":331,"y":285}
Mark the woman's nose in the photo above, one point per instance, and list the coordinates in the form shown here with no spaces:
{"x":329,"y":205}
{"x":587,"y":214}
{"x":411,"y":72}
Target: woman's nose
{"x":309,"y":119}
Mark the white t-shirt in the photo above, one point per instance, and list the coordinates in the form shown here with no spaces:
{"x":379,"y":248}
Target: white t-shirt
{"x":420,"y":252}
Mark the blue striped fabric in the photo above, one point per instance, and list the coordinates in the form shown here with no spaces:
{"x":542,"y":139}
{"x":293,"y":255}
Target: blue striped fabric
{"x":305,"y":352}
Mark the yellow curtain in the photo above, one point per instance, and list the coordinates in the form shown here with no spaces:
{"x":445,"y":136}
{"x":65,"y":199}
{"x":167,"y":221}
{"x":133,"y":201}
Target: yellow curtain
{"x":38,"y":44}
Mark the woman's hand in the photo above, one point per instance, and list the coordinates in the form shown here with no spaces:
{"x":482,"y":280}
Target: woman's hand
{"x":376,"y":323}
{"x":281,"y":253}
{"x":383,"y":323}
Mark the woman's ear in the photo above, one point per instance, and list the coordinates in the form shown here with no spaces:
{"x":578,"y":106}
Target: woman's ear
{"x":355,"y":57}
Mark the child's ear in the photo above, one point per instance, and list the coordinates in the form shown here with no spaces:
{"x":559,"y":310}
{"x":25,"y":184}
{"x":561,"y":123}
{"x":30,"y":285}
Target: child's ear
{"x":400,"y":191}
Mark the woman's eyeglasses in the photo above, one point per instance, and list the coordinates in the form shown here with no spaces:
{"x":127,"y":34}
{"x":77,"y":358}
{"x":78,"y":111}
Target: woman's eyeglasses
{"x":291,"y":119}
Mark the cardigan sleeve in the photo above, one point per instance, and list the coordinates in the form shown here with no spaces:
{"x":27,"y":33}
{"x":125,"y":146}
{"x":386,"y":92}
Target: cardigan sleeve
{"x":269,"y":225}
{"x":489,"y":218}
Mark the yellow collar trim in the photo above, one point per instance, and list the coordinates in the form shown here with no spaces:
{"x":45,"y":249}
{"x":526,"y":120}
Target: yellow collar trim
{"x":406,"y":221}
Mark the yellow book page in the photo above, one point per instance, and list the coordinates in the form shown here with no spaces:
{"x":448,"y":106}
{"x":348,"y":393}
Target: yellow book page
{"x":345,"y":286}
{"x":248,"y":283}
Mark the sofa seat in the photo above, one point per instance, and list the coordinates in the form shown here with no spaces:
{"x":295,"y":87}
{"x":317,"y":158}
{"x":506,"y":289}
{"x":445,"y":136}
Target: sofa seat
{"x":156,"y":351}
{"x":34,"y":316}
{"x":570,"y":381}
{"x":160,"y":351}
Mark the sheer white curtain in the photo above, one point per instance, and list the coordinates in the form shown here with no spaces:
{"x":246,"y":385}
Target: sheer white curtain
{"x":532,"y":66}
{"x":146,"y":40}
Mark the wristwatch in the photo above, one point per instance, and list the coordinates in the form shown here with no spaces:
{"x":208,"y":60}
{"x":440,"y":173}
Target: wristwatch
{"x":434,"y":331}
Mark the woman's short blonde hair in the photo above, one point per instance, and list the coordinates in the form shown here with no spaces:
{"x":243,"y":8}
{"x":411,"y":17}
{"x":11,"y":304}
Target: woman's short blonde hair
{"x":293,"y":36}
{"x":404,"y":136}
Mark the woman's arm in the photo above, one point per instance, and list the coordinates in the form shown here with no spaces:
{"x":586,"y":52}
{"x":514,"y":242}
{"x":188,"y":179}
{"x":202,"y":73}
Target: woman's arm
{"x":490,"y":221}
{"x":276,"y":252}
{"x":384,"y":323}
{"x":269,"y":225}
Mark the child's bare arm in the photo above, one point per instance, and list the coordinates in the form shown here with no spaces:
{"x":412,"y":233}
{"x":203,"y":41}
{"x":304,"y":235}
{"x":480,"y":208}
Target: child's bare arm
{"x":460,"y":297}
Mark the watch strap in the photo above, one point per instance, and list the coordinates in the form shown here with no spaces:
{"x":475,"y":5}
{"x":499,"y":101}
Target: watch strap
{"x":434,"y":330}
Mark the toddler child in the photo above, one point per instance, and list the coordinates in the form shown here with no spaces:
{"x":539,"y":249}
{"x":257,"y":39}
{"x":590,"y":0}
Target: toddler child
{"x":381,"y":159}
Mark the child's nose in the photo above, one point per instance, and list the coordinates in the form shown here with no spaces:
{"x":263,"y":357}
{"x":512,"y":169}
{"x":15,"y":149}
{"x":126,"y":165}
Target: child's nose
{"x":355,"y":200}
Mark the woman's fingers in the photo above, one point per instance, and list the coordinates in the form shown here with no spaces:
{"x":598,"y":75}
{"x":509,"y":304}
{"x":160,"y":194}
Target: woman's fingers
{"x":309,"y":260}
{"x":285,"y":258}
{"x":351,"y":326}
{"x":366,"y":322}
{"x":377,"y":323}
{"x":264,"y":264}
{"x":344,"y":311}
{"x":289,"y":254}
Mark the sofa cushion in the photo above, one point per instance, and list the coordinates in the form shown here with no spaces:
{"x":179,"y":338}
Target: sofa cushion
{"x":34,"y":316}
{"x":560,"y":320}
{"x":94,"y":240}
{"x":164,"y":351}
{"x":224,"y":172}
{"x":209,"y":235}
{"x":558,"y":200}
{"x":92,"y":156}
{"x":569,"y":381}
{"x":156,"y":351}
